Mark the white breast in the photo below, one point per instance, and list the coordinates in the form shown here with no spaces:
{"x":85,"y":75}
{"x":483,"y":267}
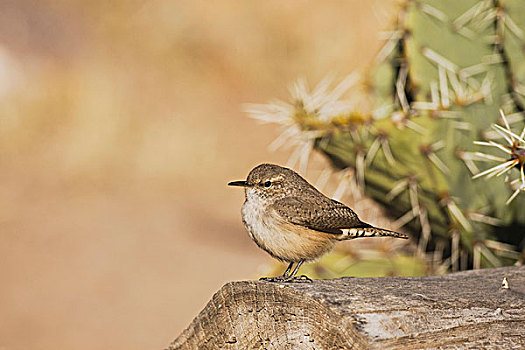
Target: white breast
{"x":254,"y":219}
{"x":281,"y":239}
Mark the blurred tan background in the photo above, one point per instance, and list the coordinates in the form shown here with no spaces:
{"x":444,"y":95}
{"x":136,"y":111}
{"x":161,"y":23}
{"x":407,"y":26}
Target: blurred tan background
{"x":120,"y":124}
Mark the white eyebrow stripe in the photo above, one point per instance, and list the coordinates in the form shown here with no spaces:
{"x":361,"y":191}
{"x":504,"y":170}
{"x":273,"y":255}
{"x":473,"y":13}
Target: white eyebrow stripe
{"x":276,"y":178}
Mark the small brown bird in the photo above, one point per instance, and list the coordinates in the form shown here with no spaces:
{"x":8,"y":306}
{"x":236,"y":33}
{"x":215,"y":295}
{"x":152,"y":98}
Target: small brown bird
{"x":294,"y":222}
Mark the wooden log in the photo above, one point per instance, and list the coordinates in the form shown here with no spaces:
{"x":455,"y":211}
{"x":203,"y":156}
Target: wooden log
{"x":465,"y":310}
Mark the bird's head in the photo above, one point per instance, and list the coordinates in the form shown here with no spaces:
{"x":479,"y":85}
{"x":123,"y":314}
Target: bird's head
{"x":270,"y":181}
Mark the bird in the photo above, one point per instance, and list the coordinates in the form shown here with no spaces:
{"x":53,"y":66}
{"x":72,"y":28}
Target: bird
{"x":294,"y":222}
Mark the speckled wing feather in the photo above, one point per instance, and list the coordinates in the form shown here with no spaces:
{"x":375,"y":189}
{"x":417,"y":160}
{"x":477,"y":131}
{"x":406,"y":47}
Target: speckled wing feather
{"x":320,"y":214}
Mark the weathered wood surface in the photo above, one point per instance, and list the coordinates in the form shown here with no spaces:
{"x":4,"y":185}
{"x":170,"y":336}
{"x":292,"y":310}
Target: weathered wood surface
{"x":466,"y":310}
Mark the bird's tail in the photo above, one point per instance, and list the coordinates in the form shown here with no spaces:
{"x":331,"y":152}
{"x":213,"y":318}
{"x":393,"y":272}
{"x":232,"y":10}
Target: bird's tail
{"x":369,"y":231}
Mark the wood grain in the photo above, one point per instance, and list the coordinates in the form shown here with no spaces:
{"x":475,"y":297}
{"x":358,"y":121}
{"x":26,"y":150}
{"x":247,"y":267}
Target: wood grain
{"x":466,"y":310}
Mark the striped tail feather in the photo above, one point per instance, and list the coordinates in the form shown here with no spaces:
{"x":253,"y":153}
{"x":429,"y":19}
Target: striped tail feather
{"x":370,"y":231}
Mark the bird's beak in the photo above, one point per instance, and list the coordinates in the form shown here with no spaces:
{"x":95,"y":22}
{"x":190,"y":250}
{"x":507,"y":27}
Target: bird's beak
{"x":239,"y":183}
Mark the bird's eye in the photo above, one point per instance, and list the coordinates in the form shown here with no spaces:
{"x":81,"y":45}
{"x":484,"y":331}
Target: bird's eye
{"x":267,"y":184}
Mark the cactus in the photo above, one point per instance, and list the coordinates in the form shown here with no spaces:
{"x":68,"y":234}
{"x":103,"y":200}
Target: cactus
{"x":417,"y":137}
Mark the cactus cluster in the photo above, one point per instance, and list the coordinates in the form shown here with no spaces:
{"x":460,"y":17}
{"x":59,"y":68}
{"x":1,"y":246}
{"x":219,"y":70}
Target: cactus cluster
{"x":446,"y":93}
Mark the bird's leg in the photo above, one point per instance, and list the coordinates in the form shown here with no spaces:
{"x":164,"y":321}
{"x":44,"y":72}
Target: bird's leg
{"x":282,"y":278}
{"x":285,"y":274}
{"x":302,"y":278}
{"x":296,"y":269}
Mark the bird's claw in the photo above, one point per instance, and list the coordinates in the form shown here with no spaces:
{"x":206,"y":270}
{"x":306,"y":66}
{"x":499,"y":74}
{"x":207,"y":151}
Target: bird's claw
{"x":300,"y":279}
{"x":273,"y":279}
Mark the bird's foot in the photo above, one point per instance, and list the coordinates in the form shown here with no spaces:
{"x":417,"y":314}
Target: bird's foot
{"x":273,"y":279}
{"x":299,"y":279}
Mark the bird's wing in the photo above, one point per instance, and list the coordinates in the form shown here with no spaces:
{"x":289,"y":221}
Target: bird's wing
{"x":326,"y":215}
